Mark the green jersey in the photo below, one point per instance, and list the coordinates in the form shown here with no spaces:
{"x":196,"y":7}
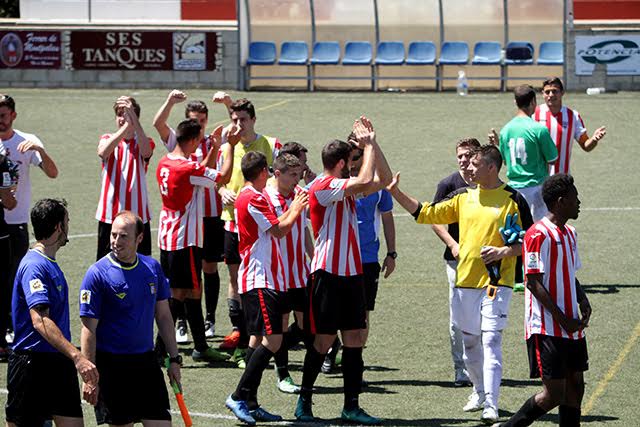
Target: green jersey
{"x":527,"y":148}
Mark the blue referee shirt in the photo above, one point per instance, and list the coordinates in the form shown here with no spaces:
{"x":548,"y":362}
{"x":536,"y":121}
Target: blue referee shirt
{"x":369,"y":210}
{"x":123,"y":299}
{"x":39,"y":281}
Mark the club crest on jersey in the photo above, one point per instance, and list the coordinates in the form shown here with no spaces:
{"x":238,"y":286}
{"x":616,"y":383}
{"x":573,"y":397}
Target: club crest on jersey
{"x":36,"y":285}
{"x":85,"y":296}
{"x":152,"y":288}
{"x":533,"y":260}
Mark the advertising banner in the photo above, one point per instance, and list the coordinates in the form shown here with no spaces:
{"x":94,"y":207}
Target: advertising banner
{"x":143,"y":50}
{"x":620,"y":54}
{"x":30,"y":49}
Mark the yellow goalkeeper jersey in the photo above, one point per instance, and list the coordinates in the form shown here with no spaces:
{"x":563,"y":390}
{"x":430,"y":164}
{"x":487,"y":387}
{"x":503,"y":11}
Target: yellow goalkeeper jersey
{"x":480,"y":213}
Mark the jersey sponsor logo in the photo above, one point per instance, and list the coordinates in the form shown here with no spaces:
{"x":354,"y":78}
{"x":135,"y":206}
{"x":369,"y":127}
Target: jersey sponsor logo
{"x":85,"y":296}
{"x":36,"y":285}
{"x":121,"y":295}
{"x":59,"y":287}
{"x":533,"y":260}
{"x":152,"y":288}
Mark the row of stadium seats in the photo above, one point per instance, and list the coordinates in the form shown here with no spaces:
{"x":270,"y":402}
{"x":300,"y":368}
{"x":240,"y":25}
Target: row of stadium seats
{"x":393,"y":53}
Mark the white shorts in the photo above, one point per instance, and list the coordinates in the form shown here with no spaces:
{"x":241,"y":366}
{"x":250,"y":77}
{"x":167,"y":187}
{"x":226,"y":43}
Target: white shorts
{"x":533,"y":196}
{"x":474,"y":312}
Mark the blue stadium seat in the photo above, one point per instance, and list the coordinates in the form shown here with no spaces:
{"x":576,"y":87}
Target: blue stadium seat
{"x":551,"y":53}
{"x":487,"y":53}
{"x":454,"y":53}
{"x":390,"y":53}
{"x":327,"y":53}
{"x":519,"y":53}
{"x":294,"y":53}
{"x":421,"y":53}
{"x":357,"y":53}
{"x":262,"y":53}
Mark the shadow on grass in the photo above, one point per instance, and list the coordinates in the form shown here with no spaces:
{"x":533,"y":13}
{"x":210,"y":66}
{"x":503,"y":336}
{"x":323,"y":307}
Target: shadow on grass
{"x":606,"y":289}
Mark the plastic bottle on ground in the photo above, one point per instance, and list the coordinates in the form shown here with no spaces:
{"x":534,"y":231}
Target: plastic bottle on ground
{"x":463,"y":84}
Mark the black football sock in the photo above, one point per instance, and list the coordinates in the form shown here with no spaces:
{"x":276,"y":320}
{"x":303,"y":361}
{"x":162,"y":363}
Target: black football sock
{"x":312,"y":364}
{"x":569,"y":416}
{"x":174,"y":308}
{"x":247,"y":388}
{"x":235,"y":313}
{"x":211,"y":293}
{"x":281,"y":360}
{"x":526,"y":415}
{"x":193,"y":308}
{"x":178,"y":311}
{"x":352,"y":366}
{"x":248,"y":354}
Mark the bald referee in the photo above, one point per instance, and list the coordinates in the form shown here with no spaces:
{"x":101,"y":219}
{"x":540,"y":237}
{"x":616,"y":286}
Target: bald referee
{"x":120,"y":297}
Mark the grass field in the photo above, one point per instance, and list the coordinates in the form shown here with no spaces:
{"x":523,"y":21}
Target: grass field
{"x":409,"y":368}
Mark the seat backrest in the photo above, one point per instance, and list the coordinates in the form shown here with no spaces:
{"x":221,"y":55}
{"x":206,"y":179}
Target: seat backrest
{"x":294,"y":50}
{"x":490,"y":51}
{"x":519,"y":51}
{"x":326,"y":51}
{"x":262,"y":51}
{"x":454,"y":51}
{"x":358,"y":51}
{"x":552,"y":50}
{"x":422,"y":51}
{"x":393,"y":51}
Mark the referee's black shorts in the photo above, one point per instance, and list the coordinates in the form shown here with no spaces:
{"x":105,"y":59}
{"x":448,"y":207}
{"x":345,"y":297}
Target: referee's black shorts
{"x":132,"y":388}
{"x":182,"y":267}
{"x":371,"y":273}
{"x":213,"y":245}
{"x":556,"y":357}
{"x":336,"y":303}
{"x":40,"y":386}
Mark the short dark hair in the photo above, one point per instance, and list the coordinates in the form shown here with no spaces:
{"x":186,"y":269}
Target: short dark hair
{"x":293,"y":148}
{"x":7,"y":101}
{"x":490,"y":154}
{"x":252,"y":164}
{"x":524,"y":94}
{"x":46,"y":214}
{"x":188,"y":130}
{"x":285,"y":161}
{"x":196,"y":107}
{"x":468,"y":142}
{"x":334,"y":151}
{"x":136,"y":107}
{"x":553,"y":81}
{"x":556,"y":186}
{"x":243,"y":104}
{"x":132,"y":217}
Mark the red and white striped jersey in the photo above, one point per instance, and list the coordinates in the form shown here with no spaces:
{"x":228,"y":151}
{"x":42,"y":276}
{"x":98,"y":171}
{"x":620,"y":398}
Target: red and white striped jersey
{"x":182,"y":183}
{"x":552,"y":251}
{"x":292,"y":246}
{"x":335,"y":228}
{"x":124,"y":182}
{"x":564,"y":127}
{"x":211,"y":199}
{"x":261,"y":264}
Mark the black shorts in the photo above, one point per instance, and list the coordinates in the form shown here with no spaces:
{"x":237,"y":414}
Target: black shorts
{"x":371,"y":275}
{"x":263,"y":310}
{"x":104,"y":240}
{"x":556,"y":357}
{"x":213,"y":247}
{"x":182,"y":267}
{"x":231,"y":251}
{"x":40,"y":386}
{"x":297,"y":300}
{"x":336,"y":303}
{"x":132,"y":388}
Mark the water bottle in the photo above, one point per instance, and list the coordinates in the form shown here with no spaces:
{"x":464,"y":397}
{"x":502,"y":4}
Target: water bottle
{"x":595,"y":90}
{"x":463,"y":84}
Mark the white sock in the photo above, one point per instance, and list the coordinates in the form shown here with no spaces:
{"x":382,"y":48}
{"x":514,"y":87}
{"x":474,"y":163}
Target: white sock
{"x":473,"y":360}
{"x":492,"y":348}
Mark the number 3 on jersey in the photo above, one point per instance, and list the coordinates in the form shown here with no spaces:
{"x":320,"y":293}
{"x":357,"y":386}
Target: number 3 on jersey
{"x":518,"y":150}
{"x":164,"y":174}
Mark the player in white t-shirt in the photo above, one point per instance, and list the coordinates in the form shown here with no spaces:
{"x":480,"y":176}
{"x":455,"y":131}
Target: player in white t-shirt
{"x":24,"y":150}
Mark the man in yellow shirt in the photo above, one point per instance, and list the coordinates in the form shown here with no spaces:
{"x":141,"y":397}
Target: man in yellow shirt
{"x":480,"y":305}
{"x":243,"y":115}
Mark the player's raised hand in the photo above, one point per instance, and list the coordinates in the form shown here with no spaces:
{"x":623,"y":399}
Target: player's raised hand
{"x":233,"y":133}
{"x":300,"y":202}
{"x":176,"y":96}
{"x":599,"y":133}
{"x":222,"y":97}
{"x":493,"y":137}
{"x":28,"y":145}
{"x":216,"y":137}
{"x":395,"y":183}
{"x":228,"y":197}
{"x":364,"y":136}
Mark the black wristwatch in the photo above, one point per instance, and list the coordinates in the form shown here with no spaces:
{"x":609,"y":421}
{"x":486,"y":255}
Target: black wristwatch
{"x":393,"y":254}
{"x":177,"y":359}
